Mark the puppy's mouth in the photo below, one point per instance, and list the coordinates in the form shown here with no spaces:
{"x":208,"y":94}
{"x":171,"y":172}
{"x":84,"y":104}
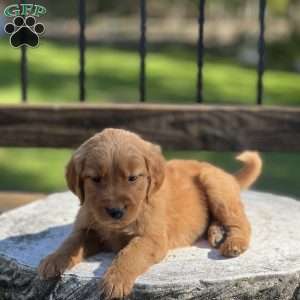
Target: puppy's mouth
{"x":116,"y":222}
{"x":116,"y":225}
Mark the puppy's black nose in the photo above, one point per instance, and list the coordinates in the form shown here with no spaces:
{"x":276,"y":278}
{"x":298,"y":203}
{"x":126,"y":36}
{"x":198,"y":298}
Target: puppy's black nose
{"x":115,"y":213}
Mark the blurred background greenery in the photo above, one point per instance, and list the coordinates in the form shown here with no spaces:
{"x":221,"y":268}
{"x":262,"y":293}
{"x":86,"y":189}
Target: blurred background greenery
{"x":113,"y":68}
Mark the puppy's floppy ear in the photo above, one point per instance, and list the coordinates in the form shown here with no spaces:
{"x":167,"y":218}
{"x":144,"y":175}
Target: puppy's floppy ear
{"x":156,"y":167}
{"x":73,"y":176}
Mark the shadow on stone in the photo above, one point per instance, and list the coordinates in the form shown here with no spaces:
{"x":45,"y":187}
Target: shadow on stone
{"x":29,"y":249}
{"x":202,"y":244}
{"x":104,"y":260}
{"x":34,"y":237}
{"x":215,"y":255}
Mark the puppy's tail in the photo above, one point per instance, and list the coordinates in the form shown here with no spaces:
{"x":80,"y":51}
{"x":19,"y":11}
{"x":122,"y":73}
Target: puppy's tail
{"x":251,"y":170}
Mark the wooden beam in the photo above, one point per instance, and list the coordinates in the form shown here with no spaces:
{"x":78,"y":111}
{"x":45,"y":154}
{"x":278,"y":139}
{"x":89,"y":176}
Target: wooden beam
{"x":11,"y":200}
{"x":190,"y":127}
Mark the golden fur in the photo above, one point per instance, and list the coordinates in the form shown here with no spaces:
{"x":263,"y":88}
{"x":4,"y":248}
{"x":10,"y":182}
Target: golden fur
{"x":165,"y":204}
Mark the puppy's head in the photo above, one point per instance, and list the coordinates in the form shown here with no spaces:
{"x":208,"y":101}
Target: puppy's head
{"x":113,"y":174}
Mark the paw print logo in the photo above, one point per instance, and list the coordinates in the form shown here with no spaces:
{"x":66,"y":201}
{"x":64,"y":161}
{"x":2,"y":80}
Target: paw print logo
{"x":24,"y":31}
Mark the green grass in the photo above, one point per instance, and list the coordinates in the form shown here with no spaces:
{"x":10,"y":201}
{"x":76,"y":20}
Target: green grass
{"x":33,"y":169}
{"x":112,"y":76}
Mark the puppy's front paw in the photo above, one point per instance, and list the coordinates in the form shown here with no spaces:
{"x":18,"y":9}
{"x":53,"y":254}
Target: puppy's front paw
{"x":52,"y":266}
{"x":234,"y":246}
{"x":115,"y":285}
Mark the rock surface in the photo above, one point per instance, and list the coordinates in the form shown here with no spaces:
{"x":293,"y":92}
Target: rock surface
{"x":270,"y":269}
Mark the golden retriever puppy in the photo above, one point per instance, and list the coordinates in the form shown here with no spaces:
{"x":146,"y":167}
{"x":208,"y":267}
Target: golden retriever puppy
{"x":138,"y":205}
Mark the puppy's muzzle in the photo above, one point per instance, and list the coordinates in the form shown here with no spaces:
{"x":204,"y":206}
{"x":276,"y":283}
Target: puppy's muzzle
{"x":115,"y":213}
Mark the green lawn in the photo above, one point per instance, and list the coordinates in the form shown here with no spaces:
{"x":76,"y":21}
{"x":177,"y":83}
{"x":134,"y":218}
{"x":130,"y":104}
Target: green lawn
{"x":112,"y":76}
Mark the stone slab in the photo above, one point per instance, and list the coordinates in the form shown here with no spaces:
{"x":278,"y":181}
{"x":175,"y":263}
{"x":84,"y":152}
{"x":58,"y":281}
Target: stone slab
{"x":270,"y":269}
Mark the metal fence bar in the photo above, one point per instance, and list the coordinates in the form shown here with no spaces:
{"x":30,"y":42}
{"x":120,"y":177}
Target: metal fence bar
{"x":23,"y":69}
{"x":143,"y":50}
{"x":82,"y":48}
{"x":200,"y":51}
{"x":24,"y":74}
{"x":261,"y":51}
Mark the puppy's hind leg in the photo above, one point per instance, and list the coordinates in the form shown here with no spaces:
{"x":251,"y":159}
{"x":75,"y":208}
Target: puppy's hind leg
{"x":223,"y":194}
{"x":216,"y":234}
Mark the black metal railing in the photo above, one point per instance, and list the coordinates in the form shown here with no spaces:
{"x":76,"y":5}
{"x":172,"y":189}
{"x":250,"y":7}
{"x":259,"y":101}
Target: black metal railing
{"x":82,"y":46}
{"x":200,"y":51}
{"x":23,"y":70}
{"x":261,"y":51}
{"x":143,"y":53}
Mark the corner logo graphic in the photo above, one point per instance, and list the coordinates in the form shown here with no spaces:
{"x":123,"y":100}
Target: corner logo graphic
{"x":24,"y":29}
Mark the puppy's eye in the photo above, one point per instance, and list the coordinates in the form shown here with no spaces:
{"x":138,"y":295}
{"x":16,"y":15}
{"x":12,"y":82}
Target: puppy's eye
{"x":96,"y":179}
{"x":132,"y":178}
